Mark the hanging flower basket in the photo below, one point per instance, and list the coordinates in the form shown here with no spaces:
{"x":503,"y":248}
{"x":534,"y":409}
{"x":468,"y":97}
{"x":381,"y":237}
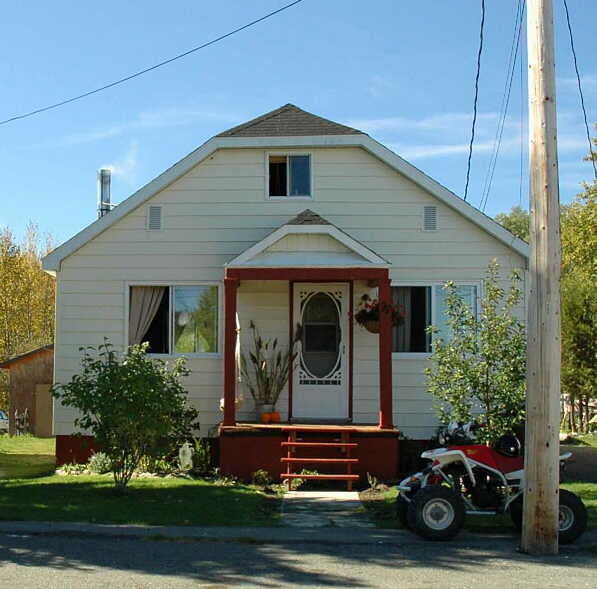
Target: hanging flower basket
{"x":372,"y":325}
{"x":368,"y":314}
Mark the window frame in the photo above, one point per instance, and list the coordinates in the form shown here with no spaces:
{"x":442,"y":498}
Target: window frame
{"x":287,"y":154}
{"x":170,"y":285}
{"x":433,"y":284}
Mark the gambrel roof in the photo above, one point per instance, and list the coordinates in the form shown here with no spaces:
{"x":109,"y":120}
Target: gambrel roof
{"x":280,"y":129}
{"x":288,"y":121}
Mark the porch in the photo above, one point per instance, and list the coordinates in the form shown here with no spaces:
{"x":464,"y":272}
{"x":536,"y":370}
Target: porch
{"x":314,"y":268}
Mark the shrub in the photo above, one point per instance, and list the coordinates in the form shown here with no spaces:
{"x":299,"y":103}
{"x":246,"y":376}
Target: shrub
{"x":156,"y":465}
{"x":134,"y":406}
{"x":202,"y":464}
{"x":73,"y":469}
{"x":99,"y":463}
{"x":262,"y":478}
{"x":481,"y":369}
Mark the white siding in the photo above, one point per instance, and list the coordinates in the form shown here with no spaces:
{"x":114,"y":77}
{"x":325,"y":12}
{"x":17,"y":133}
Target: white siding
{"x":218,"y":210}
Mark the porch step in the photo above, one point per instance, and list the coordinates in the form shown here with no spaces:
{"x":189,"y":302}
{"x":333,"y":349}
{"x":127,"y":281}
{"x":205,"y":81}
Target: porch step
{"x":339,"y":441}
{"x":322,"y":460}
{"x":326,"y":477}
{"x":322,"y":444}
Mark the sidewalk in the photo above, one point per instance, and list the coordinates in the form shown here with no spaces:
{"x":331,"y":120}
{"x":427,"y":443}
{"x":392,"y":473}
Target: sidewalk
{"x":279,"y":535}
{"x":322,"y":509}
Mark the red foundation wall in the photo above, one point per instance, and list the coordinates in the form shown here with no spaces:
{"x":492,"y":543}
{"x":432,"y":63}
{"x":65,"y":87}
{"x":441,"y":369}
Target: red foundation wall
{"x":74,"y":449}
{"x":241,"y":454}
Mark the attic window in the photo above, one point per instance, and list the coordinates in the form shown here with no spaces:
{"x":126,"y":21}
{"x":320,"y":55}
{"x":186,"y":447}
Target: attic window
{"x":430,"y":218}
{"x":154,"y":218}
{"x":289,"y":176}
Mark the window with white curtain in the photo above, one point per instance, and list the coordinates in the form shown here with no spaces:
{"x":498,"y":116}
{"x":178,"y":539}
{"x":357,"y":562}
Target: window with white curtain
{"x":175,"y":319}
{"x":422,"y":306}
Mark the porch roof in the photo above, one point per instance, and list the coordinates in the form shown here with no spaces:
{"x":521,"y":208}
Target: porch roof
{"x":308,"y":241}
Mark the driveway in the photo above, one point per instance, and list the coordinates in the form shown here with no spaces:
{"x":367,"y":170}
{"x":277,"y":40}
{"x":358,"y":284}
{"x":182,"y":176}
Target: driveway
{"x":583,"y":464}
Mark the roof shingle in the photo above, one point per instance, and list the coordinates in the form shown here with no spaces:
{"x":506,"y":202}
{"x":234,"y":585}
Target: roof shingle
{"x":308,"y":217}
{"x":288,"y":121}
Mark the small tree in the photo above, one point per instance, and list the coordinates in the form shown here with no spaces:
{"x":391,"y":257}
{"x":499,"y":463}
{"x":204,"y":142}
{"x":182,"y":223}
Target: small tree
{"x":479,"y":370}
{"x":135,"y":407}
{"x":579,"y":348}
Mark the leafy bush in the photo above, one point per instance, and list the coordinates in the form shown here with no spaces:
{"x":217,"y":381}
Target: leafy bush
{"x":156,"y":465}
{"x":99,"y":463}
{"x":481,"y":369}
{"x":202,"y":464}
{"x":262,"y":478}
{"x":73,"y":469}
{"x":134,"y":406}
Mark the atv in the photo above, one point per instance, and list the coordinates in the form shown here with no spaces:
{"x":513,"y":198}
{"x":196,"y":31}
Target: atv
{"x":465,"y":478}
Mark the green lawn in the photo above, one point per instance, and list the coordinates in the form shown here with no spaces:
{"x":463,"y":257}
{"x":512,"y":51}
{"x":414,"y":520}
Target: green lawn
{"x":158,"y":501}
{"x":26,"y":445}
{"x":583,"y":440}
{"x":27,"y":493}
{"x":26,"y":456}
{"x":382,"y":509}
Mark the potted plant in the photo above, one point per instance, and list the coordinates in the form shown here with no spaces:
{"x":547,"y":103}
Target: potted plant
{"x":369,"y":310}
{"x":265,"y":371}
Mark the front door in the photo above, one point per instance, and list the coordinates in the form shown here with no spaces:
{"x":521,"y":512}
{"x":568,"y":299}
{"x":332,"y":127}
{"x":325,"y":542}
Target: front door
{"x":320,"y":378}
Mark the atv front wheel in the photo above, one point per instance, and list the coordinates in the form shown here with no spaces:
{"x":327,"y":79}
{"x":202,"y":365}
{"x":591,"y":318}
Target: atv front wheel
{"x":402,"y":505}
{"x":402,"y":511}
{"x":572,"y":516}
{"x":436,"y":513}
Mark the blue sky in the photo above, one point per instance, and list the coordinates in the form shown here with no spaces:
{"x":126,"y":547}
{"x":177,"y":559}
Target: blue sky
{"x":401,"y":71}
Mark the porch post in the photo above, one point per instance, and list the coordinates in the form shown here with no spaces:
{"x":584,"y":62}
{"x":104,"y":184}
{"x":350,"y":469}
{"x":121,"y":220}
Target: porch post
{"x":385,"y":354}
{"x":230,"y":287}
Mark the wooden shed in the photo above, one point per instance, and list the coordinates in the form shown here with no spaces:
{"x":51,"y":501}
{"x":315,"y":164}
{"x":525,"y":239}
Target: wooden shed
{"x":30,"y":378}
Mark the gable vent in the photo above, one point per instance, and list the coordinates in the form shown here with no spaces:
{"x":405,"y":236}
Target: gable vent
{"x":154,"y":218}
{"x":430,"y":218}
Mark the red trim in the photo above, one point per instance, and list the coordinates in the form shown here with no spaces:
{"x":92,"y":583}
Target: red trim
{"x":230,"y":287}
{"x":350,"y":345}
{"x":308,"y":274}
{"x":385,"y":356}
{"x":290,"y":336}
{"x":379,"y":276}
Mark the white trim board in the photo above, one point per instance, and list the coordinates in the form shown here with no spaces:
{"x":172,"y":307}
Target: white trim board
{"x":369,"y":256}
{"x":51,"y":262}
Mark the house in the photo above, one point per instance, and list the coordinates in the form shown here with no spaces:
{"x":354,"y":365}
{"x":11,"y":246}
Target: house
{"x":29,"y":398}
{"x":288,"y":218}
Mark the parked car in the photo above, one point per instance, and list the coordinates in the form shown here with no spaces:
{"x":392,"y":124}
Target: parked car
{"x":3,"y":422}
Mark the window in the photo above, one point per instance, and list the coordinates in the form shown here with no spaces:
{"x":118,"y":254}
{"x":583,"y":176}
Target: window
{"x":415,"y":306}
{"x":421,"y":307}
{"x":289,"y":175}
{"x":175,"y":319}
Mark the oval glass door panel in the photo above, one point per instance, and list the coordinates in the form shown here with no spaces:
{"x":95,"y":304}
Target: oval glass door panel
{"x":321,"y":335}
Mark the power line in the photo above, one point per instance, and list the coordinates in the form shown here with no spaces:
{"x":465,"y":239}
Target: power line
{"x":511,"y":68}
{"x":470,"y":149}
{"x":582,"y":100}
{"x":149,"y":69}
{"x":521,"y":127}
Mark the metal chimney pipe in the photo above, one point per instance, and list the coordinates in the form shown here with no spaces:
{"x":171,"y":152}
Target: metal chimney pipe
{"x":103,"y":192}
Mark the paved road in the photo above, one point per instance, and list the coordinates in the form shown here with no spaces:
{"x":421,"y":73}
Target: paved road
{"x":49,"y":562}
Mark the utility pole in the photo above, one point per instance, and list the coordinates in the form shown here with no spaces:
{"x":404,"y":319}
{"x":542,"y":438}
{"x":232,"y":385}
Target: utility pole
{"x":541,"y":497}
